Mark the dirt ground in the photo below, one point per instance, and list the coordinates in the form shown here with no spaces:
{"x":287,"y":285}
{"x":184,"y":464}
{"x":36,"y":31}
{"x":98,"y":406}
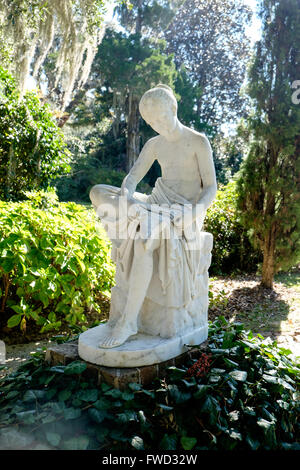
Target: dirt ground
{"x":272,"y":313}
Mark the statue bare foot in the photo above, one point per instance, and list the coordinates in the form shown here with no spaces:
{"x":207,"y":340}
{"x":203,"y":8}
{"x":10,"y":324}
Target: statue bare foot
{"x":117,"y":337}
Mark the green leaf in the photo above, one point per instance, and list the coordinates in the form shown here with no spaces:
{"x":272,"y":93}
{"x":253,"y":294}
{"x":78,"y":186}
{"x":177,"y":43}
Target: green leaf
{"x":126,"y":416}
{"x":28,"y":417}
{"x":49,"y":419}
{"x":97,"y":415}
{"x":202,"y":391}
{"x":137,"y":442}
{"x":72,"y":413}
{"x":102,"y":404}
{"x":134,"y":386}
{"x":239,"y":375}
{"x":191,"y":382}
{"x":44,"y":298}
{"x":53,"y":438}
{"x":12,"y":394}
{"x":7,"y":264}
{"x":114,"y":393}
{"x":14,"y":321}
{"x":231,"y":364}
{"x":211,"y":407}
{"x":286,"y":385}
{"x":165,"y":407}
{"x":33,"y":395}
{"x":58,"y":369}
{"x":188,"y":442}
{"x":18,"y":309}
{"x":177,"y":395}
{"x":64,"y":395}
{"x":89,"y":395}
{"x":235,"y":434}
{"x":168,"y":442}
{"x":76,"y":367}
{"x":270,"y":379}
{"x":176,"y":373}
{"x":268,"y":429}
{"x":253,"y":444}
{"x":228,"y":339}
{"x":127,"y":396}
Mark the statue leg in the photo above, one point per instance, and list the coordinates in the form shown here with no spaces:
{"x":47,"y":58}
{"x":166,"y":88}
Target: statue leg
{"x":140,"y":277}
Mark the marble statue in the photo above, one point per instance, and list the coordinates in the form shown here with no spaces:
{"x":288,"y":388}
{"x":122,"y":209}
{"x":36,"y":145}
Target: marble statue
{"x":162,"y":256}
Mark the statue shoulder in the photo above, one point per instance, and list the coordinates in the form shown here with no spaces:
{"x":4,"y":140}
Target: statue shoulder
{"x":151,"y":143}
{"x":200,"y":139}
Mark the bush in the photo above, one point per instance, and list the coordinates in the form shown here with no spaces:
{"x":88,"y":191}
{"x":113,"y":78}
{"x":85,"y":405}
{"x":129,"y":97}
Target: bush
{"x":32,"y":147}
{"x":77,"y":185}
{"x":238,"y":394}
{"x":232,"y":250}
{"x":53,"y":261}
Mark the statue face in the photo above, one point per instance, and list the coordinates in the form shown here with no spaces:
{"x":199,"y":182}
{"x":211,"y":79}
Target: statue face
{"x":161,"y":117}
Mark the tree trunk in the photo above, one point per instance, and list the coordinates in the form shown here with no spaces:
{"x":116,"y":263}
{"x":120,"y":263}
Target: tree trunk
{"x":133,"y":125}
{"x":268,"y":268}
{"x":138,"y":23}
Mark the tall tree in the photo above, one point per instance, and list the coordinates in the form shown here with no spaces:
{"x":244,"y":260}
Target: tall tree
{"x":129,"y":65}
{"x":209,"y":39}
{"x":67,"y":30}
{"x":146,"y":20}
{"x":269,"y":182}
{"x":147,"y":17}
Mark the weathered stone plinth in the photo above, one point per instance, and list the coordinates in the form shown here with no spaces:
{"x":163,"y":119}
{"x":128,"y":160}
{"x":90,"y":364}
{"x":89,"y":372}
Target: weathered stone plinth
{"x":139,"y":350}
{"x":117,"y":377}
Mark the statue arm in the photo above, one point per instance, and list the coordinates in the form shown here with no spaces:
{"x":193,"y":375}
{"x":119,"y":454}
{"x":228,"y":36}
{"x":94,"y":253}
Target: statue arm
{"x":140,"y":168}
{"x":208,"y":177}
{"x":207,"y":173}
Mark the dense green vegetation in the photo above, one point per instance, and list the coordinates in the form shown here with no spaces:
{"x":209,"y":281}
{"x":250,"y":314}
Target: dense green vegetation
{"x":269,"y":184}
{"x":242,"y":391}
{"x":54,"y":262}
{"x":232,"y":250}
{"x":32,"y":149}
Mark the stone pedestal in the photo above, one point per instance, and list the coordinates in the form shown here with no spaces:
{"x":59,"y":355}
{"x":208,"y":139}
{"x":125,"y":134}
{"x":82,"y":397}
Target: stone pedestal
{"x":139,"y":350}
{"x":114,"y":376}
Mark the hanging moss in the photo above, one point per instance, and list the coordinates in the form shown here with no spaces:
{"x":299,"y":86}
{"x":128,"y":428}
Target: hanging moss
{"x":74,"y":28}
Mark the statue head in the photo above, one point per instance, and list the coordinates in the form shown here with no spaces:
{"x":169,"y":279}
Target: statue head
{"x":158,"y":107}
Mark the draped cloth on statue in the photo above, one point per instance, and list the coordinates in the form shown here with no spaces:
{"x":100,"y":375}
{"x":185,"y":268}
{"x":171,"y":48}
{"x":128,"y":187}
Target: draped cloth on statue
{"x":178,"y":264}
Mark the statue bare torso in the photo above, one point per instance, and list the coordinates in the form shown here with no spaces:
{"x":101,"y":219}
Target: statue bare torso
{"x":185,"y":163}
{"x":179,"y":163}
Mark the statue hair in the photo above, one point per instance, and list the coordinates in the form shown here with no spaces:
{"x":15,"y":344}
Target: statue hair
{"x":156,"y":93}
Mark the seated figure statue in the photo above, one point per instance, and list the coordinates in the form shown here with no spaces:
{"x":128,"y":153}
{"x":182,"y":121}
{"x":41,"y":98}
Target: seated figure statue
{"x":161,"y":255}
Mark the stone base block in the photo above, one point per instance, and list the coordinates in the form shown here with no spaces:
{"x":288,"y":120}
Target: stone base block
{"x":139,"y":350}
{"x":117,"y":377}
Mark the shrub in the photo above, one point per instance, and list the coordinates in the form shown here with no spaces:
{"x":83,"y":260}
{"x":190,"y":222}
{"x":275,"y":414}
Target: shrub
{"x":238,"y":394}
{"x":53,"y":261}
{"x":32,"y":147}
{"x":232,"y":250}
{"x":85,"y":174}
